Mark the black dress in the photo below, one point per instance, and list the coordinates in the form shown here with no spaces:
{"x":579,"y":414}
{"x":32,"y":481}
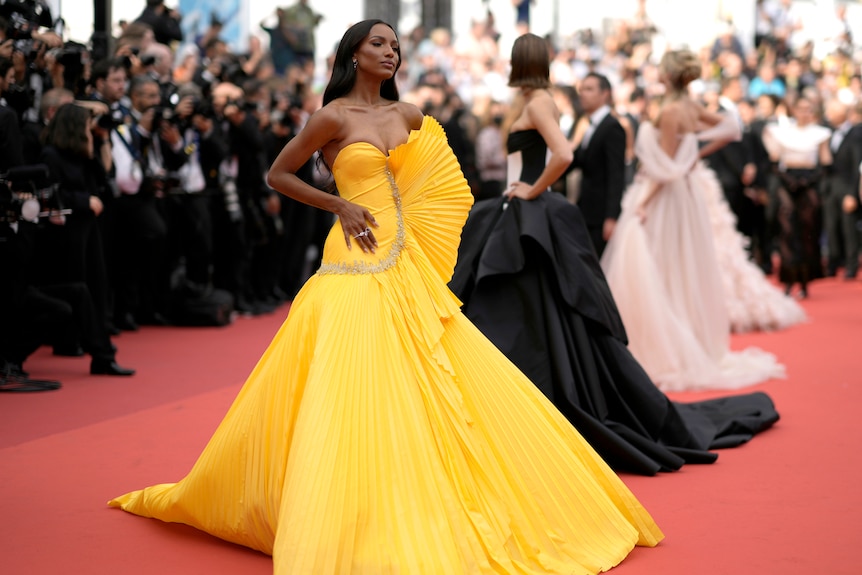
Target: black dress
{"x":531,"y":282}
{"x":800,"y":224}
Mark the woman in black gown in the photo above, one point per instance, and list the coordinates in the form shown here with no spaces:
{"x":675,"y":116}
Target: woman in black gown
{"x":531,"y":282}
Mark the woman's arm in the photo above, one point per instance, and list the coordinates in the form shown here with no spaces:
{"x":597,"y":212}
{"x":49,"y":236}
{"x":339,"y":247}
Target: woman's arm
{"x":322,"y":128}
{"x":630,"y":137}
{"x":670,"y":124}
{"x":544,"y":116}
{"x":824,"y":154}
{"x":719,"y":129}
{"x":580,"y":131}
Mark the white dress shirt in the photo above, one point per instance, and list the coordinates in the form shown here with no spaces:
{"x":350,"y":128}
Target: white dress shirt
{"x":595,"y":119}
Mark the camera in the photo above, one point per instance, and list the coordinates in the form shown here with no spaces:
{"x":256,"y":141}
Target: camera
{"x":163,"y":115}
{"x":110,"y":121}
{"x":23,"y":18}
{"x":145,"y":60}
{"x":26,"y":193}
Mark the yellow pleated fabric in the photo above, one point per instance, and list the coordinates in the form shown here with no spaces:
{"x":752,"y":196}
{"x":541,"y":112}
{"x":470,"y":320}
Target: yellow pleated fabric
{"x":382,"y":434}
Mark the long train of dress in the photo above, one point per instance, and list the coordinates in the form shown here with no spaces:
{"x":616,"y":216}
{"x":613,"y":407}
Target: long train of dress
{"x":531,"y":282}
{"x":752,"y":301}
{"x":381,"y":433}
{"x":666,"y":279}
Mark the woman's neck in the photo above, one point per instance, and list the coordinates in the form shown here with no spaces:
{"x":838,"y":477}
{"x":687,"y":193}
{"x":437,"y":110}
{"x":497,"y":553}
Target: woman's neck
{"x":365,"y":94}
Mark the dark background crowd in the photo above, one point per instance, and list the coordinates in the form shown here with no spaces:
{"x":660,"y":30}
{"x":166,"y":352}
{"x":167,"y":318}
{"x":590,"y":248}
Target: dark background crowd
{"x":133,"y":174}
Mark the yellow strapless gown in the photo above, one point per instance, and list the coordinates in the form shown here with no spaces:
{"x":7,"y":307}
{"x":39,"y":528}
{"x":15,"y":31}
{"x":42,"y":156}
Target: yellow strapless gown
{"x":382,"y":433}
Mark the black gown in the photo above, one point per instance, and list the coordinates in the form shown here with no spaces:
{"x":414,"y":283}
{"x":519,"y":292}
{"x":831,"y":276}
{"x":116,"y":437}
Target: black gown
{"x":531,"y":282}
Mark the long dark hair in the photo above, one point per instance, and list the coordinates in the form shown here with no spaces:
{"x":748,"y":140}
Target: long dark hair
{"x":67,"y":130}
{"x":344,"y":74}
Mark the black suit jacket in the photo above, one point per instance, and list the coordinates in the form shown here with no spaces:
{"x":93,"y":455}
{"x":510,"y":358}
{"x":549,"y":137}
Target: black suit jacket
{"x":728,"y":164}
{"x":10,"y":140}
{"x":845,"y":164}
{"x":602,"y":163}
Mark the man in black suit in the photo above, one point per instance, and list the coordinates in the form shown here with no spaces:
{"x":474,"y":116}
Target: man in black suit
{"x":10,"y":130}
{"x":601,"y":158}
{"x":736,"y":168}
{"x":840,"y":206}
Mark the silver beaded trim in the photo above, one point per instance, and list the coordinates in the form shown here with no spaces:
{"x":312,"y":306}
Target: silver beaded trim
{"x":362,"y":267}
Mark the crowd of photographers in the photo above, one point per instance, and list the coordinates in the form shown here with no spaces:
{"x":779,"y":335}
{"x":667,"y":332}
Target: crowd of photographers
{"x":133,"y":188}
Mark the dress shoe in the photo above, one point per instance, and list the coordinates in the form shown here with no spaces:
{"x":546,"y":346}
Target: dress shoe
{"x":154,"y":318}
{"x":126,"y":322}
{"x":245,"y":307}
{"x":850,"y":275}
{"x":112,"y":329}
{"x":68,"y":350}
{"x":12,"y":369}
{"x":279,"y":295}
{"x":108,"y":367}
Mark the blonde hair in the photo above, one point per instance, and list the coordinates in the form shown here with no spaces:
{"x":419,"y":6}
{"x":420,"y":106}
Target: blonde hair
{"x":681,"y":67}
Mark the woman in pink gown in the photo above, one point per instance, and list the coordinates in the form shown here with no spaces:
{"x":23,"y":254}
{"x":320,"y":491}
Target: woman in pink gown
{"x":661,"y":263}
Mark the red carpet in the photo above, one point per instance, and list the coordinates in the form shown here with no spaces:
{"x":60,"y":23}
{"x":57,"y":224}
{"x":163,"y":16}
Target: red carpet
{"x":784,"y":504}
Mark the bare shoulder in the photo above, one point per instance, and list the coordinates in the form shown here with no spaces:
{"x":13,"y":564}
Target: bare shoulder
{"x":329,"y":119}
{"x":412,"y":115}
{"x":540,"y":100}
{"x":540,"y":105}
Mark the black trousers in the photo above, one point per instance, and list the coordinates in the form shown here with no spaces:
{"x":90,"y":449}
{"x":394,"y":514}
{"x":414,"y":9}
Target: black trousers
{"x":51,"y":314}
{"x":141,"y":266}
{"x":190,"y":235}
{"x":597,"y":237}
{"x":842,"y":236}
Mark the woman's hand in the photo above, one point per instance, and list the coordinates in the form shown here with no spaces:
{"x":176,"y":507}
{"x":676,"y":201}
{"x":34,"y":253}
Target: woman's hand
{"x":519,"y":190}
{"x":355,"y":222}
{"x":641,"y":212}
{"x":96,"y":205}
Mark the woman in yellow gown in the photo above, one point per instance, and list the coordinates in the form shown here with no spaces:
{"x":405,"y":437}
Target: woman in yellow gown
{"x":381,"y":433}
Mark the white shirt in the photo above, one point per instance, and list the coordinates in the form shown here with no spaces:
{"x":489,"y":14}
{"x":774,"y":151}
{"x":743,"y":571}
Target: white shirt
{"x":838,"y":136}
{"x":128,"y":170}
{"x":191,"y":174}
{"x":595,"y":119}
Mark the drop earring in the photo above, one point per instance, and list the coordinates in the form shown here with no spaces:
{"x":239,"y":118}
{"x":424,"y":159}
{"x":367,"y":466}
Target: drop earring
{"x":355,"y":64}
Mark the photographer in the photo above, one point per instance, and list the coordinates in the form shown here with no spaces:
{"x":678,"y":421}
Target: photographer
{"x":31,"y":132}
{"x":247,"y":199}
{"x":56,"y":313}
{"x":22,"y":42}
{"x":164,"y":21}
{"x":108,"y":79}
{"x":36,"y":316}
{"x":211,"y":70}
{"x":300,"y":220}
{"x":70,"y":249}
{"x":66,"y":67}
{"x":10,"y":132}
{"x":139,"y":163}
{"x":188,"y":212}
